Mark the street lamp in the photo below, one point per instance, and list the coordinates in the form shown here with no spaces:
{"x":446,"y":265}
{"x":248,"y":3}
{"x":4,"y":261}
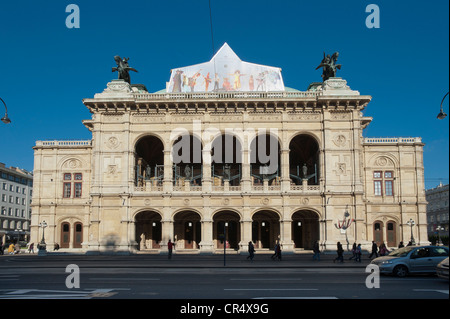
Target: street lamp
{"x":5,"y":119}
{"x":439,"y":228}
{"x":411,"y":223}
{"x":42,"y":245}
{"x":225,"y":225}
{"x":18,"y":238}
{"x":442,"y":114}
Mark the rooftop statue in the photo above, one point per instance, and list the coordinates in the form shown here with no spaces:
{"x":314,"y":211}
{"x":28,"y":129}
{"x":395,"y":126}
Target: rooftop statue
{"x":329,"y":66}
{"x":123,"y":68}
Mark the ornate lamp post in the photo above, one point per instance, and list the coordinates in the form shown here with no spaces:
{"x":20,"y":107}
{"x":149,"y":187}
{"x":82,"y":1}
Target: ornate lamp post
{"x":344,"y":224}
{"x":411,"y":223}
{"x":439,"y":228}
{"x":5,"y":119}
{"x":442,"y":114}
{"x":42,"y":244}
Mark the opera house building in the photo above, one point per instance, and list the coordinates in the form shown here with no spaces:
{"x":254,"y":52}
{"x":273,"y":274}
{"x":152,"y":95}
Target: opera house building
{"x":224,"y":155}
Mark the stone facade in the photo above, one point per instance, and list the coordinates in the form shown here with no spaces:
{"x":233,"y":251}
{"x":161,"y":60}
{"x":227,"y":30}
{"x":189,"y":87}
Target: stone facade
{"x":135,"y":197}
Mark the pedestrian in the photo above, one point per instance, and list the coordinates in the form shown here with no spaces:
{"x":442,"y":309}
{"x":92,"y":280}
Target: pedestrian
{"x":31,"y":248}
{"x":278,"y":252}
{"x":251,"y":251}
{"x":17,"y":248}
{"x":340,"y":253}
{"x":383,"y":250}
{"x":374,"y":250}
{"x":358,"y":253}
{"x":275,"y":251}
{"x":1,"y":248}
{"x":170,"y":248}
{"x":316,"y":251}
{"x":401,"y":245}
{"x":353,"y":252}
{"x":11,"y":249}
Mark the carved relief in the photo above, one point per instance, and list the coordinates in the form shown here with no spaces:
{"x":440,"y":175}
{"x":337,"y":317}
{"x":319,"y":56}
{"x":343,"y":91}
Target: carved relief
{"x":340,"y":140}
{"x":72,"y":163}
{"x":112,"y":142}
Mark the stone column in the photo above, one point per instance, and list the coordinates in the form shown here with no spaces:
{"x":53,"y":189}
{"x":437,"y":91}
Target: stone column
{"x":206,"y":245}
{"x":285,"y":180}
{"x":168,"y":173}
{"x":206,"y":179}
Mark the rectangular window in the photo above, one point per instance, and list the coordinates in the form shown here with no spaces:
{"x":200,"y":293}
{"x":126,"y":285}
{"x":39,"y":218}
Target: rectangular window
{"x":78,"y":188}
{"x":388,"y":174}
{"x":78,"y":176}
{"x":388,"y":188}
{"x":376,"y":174}
{"x":5,"y":186}
{"x":377,"y":188}
{"x":67,"y":190}
{"x":67,"y":176}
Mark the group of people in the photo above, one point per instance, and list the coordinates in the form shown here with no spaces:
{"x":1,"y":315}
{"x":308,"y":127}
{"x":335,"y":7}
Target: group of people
{"x":14,"y":248}
{"x":276,"y":254}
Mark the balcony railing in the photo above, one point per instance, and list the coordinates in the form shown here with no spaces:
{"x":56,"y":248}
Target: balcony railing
{"x":223,"y":95}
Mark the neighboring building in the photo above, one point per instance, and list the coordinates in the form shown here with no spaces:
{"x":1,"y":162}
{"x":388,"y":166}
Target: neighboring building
{"x":437,"y":209}
{"x":16,"y":188}
{"x":238,"y":152}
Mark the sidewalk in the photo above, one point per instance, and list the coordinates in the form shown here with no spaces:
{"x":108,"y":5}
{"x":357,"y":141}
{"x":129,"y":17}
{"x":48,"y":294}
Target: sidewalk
{"x":263,"y":260}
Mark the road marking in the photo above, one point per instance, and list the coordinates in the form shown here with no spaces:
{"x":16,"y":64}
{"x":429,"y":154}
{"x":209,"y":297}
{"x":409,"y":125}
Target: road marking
{"x":266,"y":279}
{"x":295,"y":298}
{"x":435,"y":290}
{"x":58,"y":294}
{"x":268,"y":289}
{"x":127,"y":279}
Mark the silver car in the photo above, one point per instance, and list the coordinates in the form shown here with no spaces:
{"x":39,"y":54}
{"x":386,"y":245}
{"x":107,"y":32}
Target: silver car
{"x":411,"y":259}
{"x":442,"y":269}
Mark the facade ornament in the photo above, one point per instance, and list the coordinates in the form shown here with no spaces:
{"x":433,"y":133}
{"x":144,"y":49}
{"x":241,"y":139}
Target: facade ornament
{"x":329,"y":66}
{"x":123,"y":68}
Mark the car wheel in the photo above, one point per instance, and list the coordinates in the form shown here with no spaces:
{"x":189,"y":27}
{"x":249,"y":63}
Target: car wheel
{"x":400,"y":271}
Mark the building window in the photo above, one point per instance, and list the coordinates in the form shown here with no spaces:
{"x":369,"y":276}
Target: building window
{"x":75,"y":183}
{"x":66,"y":190}
{"x":78,"y":188}
{"x":383,"y":183}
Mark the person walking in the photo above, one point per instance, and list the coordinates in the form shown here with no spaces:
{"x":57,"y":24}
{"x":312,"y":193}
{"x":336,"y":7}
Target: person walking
{"x":358,"y":253}
{"x":353,"y":252}
{"x":170,"y":248}
{"x":1,"y":248}
{"x":275,"y":251}
{"x":374,"y":250}
{"x":340,"y":253}
{"x":251,"y":251}
{"x":278,"y":251}
{"x":383,"y":249}
{"x":316,"y":251}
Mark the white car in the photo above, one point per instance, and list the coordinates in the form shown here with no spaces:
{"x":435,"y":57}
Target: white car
{"x":411,"y":259}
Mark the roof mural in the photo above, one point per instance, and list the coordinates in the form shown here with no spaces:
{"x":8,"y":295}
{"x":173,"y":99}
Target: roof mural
{"x":225,"y":72}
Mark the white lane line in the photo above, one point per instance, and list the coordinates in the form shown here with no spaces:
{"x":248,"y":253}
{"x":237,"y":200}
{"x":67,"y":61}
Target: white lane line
{"x":127,"y":279}
{"x":433,"y":290}
{"x":295,"y":298}
{"x":266,"y":279}
{"x":268,"y":289}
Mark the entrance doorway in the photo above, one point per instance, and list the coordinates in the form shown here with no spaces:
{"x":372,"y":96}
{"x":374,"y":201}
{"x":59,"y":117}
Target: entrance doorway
{"x":187,"y":230}
{"x":305,"y":229}
{"x":230,"y":223}
{"x":265,"y":229}
{"x":148,"y":230}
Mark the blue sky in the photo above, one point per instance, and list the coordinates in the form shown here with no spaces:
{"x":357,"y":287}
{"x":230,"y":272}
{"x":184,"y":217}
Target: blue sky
{"x":48,"y":69}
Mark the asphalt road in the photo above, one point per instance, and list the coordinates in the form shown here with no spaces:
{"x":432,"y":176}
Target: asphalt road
{"x":203,"y":277}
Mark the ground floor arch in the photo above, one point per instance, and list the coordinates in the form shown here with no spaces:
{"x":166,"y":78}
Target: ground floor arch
{"x":265,"y":229}
{"x":226,"y":229}
{"x":305,"y":229}
{"x":187,"y":230}
{"x":148,"y":230}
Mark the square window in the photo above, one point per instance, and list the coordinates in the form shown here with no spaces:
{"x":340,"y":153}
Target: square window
{"x":376,"y":174}
{"x":67,"y":176}
{"x":388,"y":174}
{"x":78,"y":176}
